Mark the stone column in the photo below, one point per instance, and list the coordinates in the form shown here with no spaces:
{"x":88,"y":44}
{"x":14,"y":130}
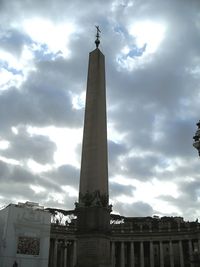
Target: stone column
{"x":122,"y":255}
{"x":74,"y":260}
{"x":171,"y":254}
{"x":161,"y":255}
{"x":141,"y":254}
{"x":113,"y":254}
{"x":132,"y":255}
{"x":198,"y":244}
{"x":151,"y":254}
{"x":191,"y":252}
{"x":55,"y":253}
{"x":65,"y":252}
{"x":65,"y":255}
{"x":181,"y":254}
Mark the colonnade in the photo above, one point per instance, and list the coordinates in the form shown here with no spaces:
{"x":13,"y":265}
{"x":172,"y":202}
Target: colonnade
{"x":171,"y":253}
{"x":63,"y":253}
{"x":153,"y":253}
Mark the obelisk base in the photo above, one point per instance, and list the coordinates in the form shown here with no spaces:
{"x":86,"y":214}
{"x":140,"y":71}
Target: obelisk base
{"x":93,"y":236}
{"x":93,"y":250}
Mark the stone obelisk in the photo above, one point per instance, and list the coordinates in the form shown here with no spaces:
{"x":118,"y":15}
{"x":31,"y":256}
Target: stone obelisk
{"x":93,"y":210}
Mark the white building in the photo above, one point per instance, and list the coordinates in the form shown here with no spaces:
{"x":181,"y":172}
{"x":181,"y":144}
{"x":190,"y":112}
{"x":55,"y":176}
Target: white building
{"x":24,"y":235}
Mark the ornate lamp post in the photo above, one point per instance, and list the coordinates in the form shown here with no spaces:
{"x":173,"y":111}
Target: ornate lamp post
{"x":196,"y":138}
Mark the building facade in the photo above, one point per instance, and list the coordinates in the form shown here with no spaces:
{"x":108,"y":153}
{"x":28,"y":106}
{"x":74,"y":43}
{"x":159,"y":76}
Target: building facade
{"x":24,"y":235}
{"x":28,"y":237}
{"x":135,"y":242}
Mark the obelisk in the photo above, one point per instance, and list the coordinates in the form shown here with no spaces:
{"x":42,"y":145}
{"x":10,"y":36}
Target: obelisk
{"x":93,"y":210}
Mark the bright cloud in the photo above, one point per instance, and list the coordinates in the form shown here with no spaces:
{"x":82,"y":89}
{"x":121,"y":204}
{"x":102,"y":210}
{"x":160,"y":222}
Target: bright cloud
{"x":4,"y":144}
{"x":66,"y":141}
{"x":55,"y":36}
{"x":15,"y":68}
{"x":37,"y":168}
{"x":149,"y":192}
{"x":148,"y":36}
{"x":37,"y":188}
{"x":148,"y":33}
{"x":78,"y":100}
{"x":9,"y":79}
{"x":70,"y":190}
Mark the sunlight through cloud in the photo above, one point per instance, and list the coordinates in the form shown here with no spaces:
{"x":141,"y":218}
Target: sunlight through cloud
{"x":66,"y":141}
{"x":148,"y":36}
{"x":37,"y":168}
{"x":37,"y":189}
{"x":55,"y":36}
{"x":149,"y":33}
{"x":4,"y":144}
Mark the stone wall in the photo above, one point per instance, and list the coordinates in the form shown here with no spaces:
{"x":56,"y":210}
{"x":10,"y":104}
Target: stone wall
{"x":24,"y":235}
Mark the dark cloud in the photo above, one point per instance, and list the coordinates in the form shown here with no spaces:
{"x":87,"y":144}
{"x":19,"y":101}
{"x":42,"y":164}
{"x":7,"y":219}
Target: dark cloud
{"x":121,"y":190}
{"x":15,"y":182}
{"x":18,"y":183}
{"x":142,"y":168}
{"x":65,"y":175}
{"x":23,"y":146}
{"x":137,"y":209}
{"x":39,"y":103}
{"x":15,"y":174}
{"x":115,"y":150}
{"x":12,"y":40}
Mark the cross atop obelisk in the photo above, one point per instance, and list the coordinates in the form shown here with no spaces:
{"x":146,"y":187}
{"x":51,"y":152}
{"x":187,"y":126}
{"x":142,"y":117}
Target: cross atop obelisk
{"x":97,"y":41}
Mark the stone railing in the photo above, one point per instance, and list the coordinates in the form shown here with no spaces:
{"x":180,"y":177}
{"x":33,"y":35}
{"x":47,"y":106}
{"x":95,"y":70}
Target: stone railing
{"x":63,"y":228}
{"x":153,"y":228}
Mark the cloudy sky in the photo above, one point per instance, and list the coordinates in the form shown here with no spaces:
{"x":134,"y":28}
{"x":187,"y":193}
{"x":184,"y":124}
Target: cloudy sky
{"x":152,"y":50}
